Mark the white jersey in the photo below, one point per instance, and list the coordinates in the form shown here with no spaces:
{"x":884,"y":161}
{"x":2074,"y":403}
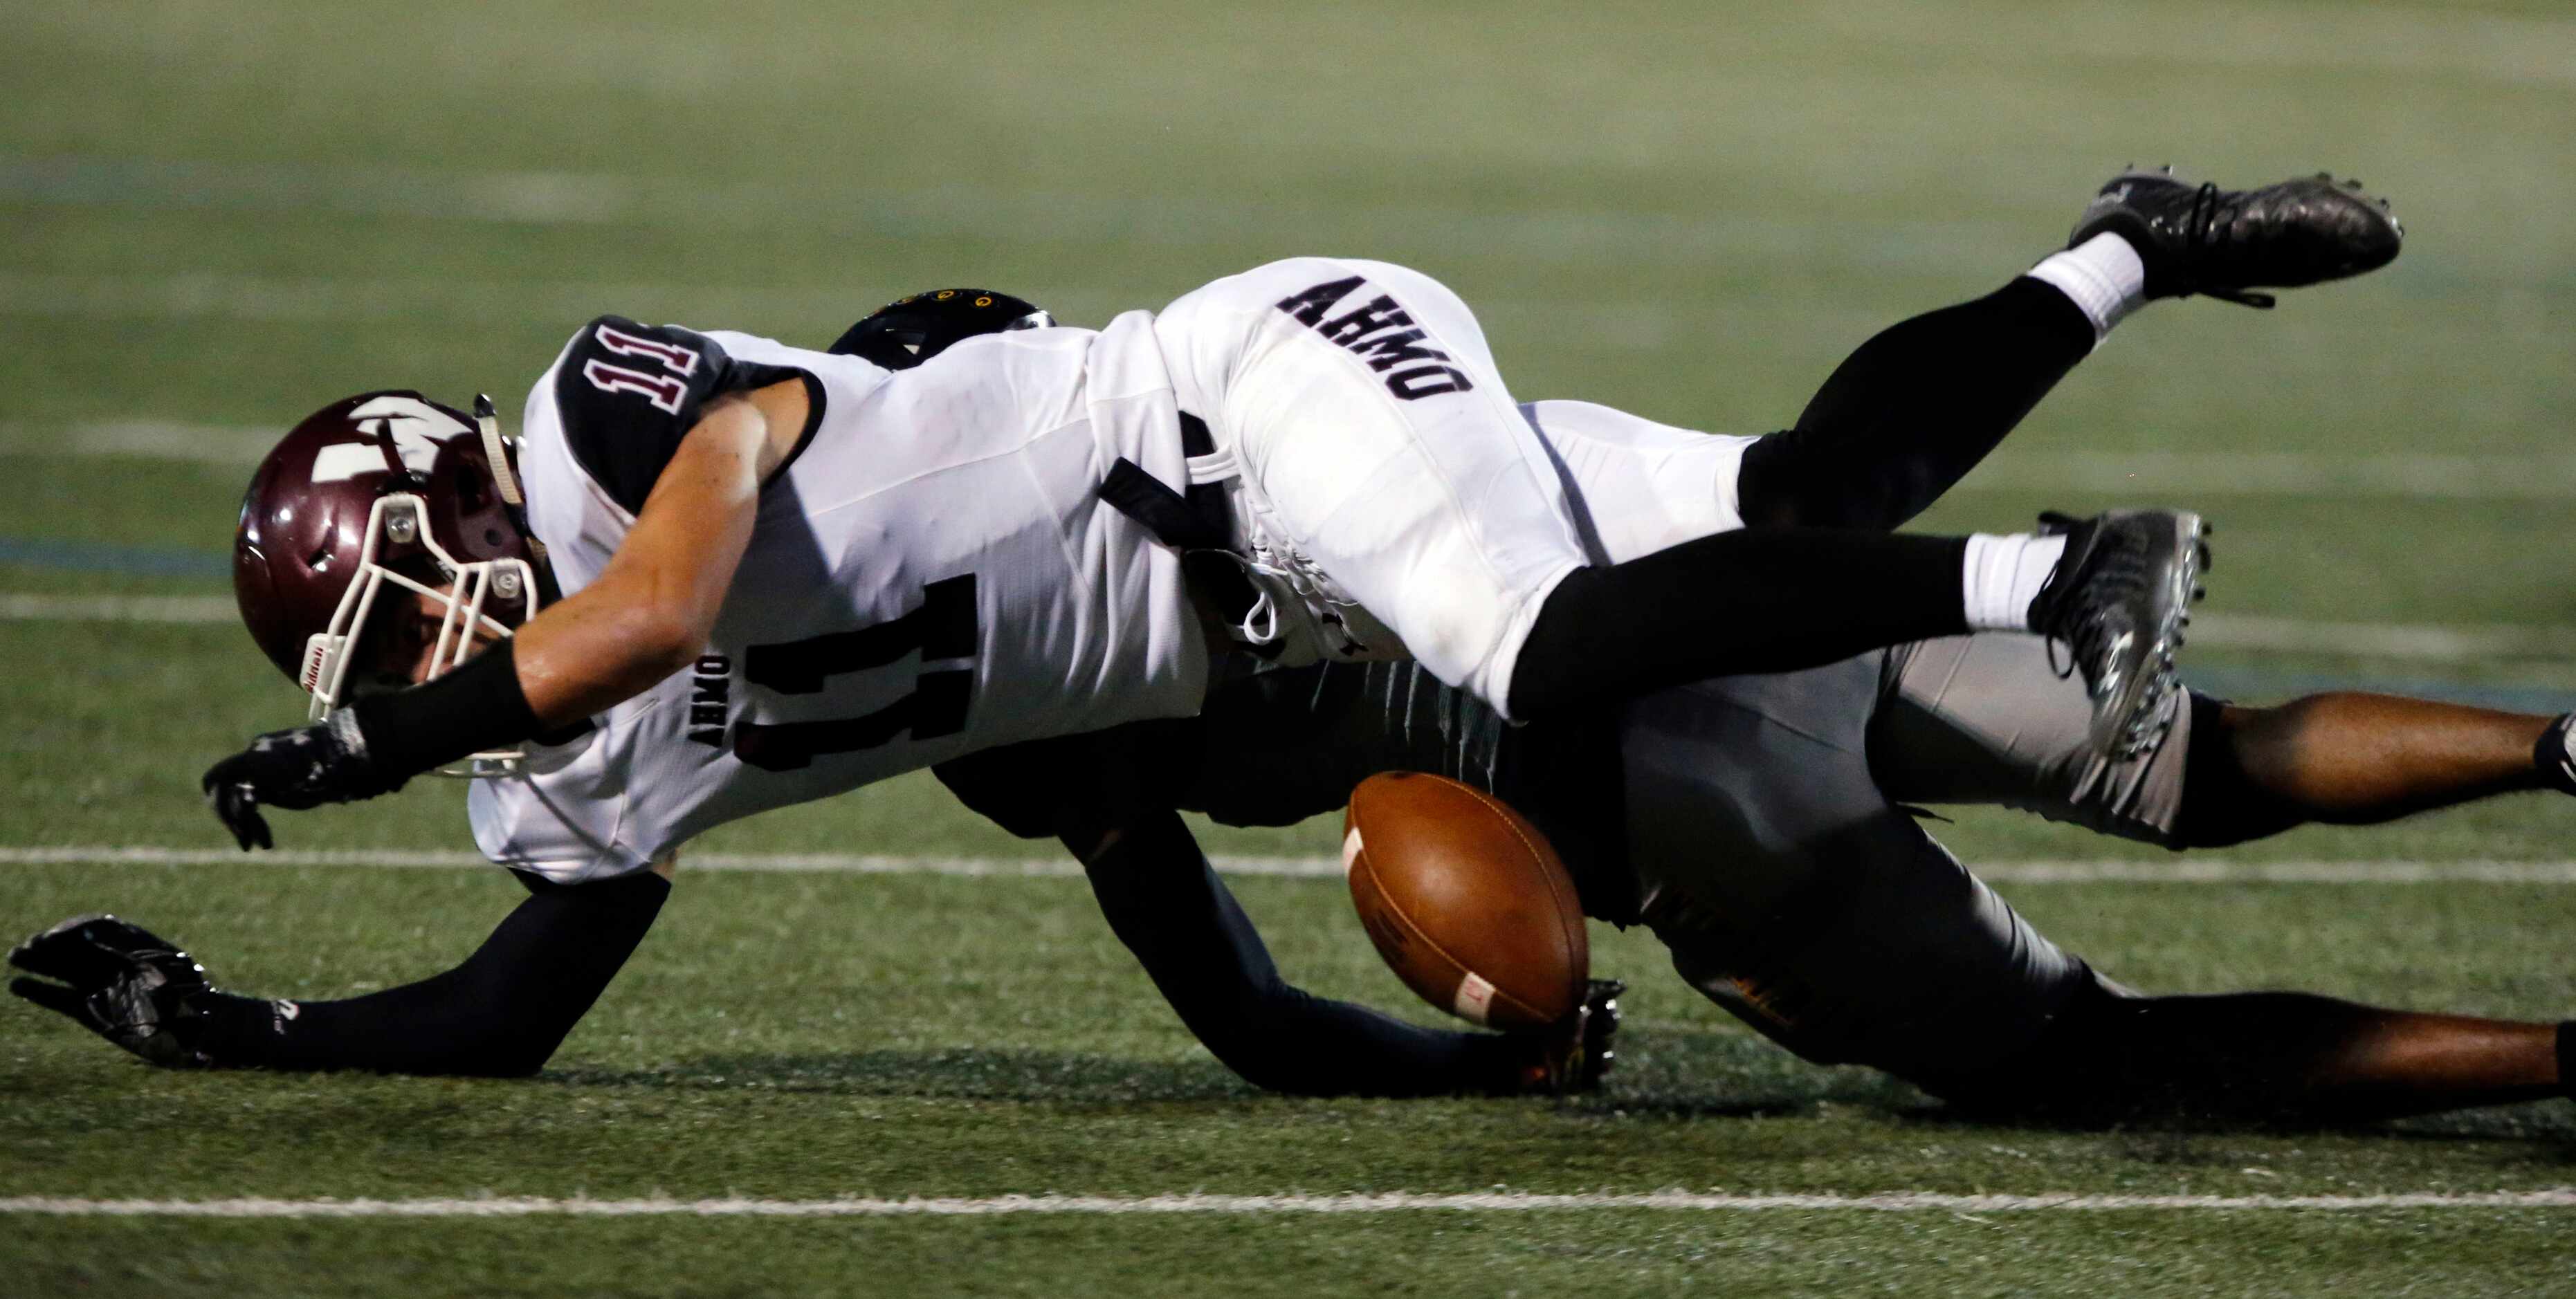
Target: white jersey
{"x":932,"y":573}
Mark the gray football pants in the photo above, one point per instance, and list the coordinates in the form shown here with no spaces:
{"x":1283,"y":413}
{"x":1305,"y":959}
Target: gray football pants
{"x":1775,"y":857}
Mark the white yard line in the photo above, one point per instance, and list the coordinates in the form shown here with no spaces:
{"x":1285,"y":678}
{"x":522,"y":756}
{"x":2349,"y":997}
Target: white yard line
{"x":148,"y":439}
{"x":1389,"y":1202}
{"x":2032,"y":872}
{"x":119,"y":608}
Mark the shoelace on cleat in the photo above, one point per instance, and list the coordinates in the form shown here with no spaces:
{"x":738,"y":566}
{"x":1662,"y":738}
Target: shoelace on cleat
{"x":2205,"y":207}
{"x":2118,"y":561}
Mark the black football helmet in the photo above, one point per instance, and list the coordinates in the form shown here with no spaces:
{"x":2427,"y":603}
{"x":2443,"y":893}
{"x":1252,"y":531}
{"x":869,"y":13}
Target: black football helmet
{"x":916,"y":327}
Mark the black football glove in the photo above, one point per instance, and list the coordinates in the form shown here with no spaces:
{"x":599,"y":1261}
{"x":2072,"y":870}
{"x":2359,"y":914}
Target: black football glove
{"x":1577,"y":1050}
{"x":120,"y":982}
{"x":298,"y":769}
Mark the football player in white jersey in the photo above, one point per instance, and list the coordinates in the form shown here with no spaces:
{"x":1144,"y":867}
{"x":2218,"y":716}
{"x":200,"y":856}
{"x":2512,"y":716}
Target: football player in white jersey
{"x":781,"y":562}
{"x":656,"y":458}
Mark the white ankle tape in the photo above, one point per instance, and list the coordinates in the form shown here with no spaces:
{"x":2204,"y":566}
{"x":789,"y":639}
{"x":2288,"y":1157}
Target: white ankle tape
{"x":2103,"y":278}
{"x":2003,"y":575}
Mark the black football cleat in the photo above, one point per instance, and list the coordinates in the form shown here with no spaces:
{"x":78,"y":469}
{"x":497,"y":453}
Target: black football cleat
{"x":2118,"y":600}
{"x":2222,"y":242}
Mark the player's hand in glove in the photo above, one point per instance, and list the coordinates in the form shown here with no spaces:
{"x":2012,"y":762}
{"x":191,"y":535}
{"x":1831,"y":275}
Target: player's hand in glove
{"x":1577,"y":1050}
{"x":120,"y":982}
{"x":298,"y":769}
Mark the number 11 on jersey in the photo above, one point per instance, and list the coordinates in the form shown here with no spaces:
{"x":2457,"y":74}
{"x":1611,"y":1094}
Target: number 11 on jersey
{"x":944,"y":627}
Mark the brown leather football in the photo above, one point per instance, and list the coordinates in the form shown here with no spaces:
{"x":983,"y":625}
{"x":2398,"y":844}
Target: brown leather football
{"x":1466,"y":900}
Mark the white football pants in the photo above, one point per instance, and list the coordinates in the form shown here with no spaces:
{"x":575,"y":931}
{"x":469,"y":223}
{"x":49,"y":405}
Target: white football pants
{"x":1375,"y":440}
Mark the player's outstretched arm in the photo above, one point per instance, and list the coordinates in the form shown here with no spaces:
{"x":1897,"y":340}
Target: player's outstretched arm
{"x":499,"y":1014}
{"x":653,"y":607}
{"x":648,"y":613}
{"x":1171,"y":910}
{"x":1096,"y":795}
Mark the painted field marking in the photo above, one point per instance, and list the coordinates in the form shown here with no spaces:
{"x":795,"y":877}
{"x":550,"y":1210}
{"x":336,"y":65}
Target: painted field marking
{"x":2028,"y":872}
{"x":1388,"y":1202}
{"x":148,"y":439}
{"x":184,"y":609}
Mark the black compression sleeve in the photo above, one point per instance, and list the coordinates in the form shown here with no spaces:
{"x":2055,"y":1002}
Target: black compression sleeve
{"x":1906,"y":416}
{"x":476,"y":707}
{"x":1172,"y":911}
{"x":500,"y":1014}
{"x":1769,"y":600}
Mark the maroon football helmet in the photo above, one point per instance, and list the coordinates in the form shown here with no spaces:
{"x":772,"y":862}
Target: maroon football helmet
{"x":382,"y":487}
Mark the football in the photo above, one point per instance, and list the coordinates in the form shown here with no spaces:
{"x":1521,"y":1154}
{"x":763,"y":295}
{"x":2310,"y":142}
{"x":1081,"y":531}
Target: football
{"x":1465,"y":900}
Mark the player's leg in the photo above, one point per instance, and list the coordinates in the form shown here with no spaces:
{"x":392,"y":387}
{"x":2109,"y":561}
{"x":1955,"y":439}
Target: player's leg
{"x":1906,"y":416}
{"x":1916,"y":407}
{"x":1980,"y":720}
{"x":1962,"y":723}
{"x":1967,"y":722}
{"x":2110,"y":1055}
{"x":1794,"y":894}
{"x":2350,"y":758}
{"x":1382,"y":456}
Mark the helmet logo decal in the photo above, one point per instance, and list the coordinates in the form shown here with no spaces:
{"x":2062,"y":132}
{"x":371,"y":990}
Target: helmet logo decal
{"x":415,"y":428}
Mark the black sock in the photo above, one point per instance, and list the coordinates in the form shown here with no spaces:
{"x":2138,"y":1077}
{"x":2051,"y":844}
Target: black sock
{"x":1910,"y":412}
{"x":1769,"y":600}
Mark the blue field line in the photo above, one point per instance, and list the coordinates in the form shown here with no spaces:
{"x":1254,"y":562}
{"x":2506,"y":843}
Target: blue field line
{"x":103,"y":557}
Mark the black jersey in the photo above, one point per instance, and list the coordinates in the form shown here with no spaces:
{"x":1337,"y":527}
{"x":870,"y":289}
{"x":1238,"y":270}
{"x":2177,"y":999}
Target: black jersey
{"x":1281,"y":746}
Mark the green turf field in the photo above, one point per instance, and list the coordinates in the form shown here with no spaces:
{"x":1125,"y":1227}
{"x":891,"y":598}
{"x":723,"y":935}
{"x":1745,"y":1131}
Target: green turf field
{"x":221,"y":216}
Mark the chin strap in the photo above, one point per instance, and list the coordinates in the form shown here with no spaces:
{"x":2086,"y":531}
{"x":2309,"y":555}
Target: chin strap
{"x":495,"y":449}
{"x":505,"y":478}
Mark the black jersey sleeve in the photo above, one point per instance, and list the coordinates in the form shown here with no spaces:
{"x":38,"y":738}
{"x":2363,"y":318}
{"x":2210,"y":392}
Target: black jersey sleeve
{"x":1017,"y":786}
{"x":1039,"y":789}
{"x":627,"y":393}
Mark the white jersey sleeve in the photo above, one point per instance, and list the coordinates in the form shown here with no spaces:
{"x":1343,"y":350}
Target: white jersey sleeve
{"x":933,"y":573}
{"x":1644,"y":486}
